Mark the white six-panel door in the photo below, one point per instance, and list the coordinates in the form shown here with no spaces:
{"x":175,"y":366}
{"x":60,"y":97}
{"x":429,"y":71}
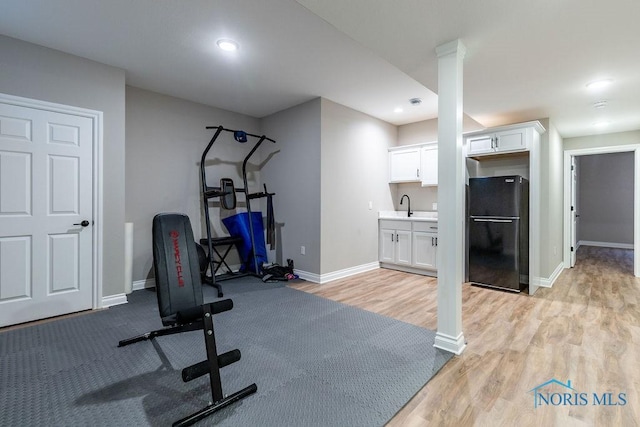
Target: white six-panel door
{"x":46,"y":185}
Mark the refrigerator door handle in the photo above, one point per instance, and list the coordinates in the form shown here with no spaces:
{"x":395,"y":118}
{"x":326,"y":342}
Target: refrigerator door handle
{"x":492,"y":220}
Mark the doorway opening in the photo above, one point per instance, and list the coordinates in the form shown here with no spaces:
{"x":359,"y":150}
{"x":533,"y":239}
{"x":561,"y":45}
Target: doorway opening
{"x":602,"y":200}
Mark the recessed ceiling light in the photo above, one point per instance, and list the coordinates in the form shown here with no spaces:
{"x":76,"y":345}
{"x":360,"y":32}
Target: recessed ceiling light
{"x":398,"y":110}
{"x":602,"y":124}
{"x":599,"y":84}
{"x":228,"y":45}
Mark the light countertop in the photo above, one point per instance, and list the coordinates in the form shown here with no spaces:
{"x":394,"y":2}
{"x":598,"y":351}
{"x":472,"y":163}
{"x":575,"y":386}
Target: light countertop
{"x":402,"y":215}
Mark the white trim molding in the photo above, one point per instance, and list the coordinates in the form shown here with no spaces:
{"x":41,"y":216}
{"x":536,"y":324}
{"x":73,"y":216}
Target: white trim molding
{"x":455,"y":345}
{"x":144,"y":284}
{"x":547,"y":282}
{"x":407,"y":269}
{"x":305,"y":275}
{"x":605,"y":244}
{"x":111,"y":300}
{"x":346,"y":272}
{"x":339,"y":274}
{"x":309,"y":277}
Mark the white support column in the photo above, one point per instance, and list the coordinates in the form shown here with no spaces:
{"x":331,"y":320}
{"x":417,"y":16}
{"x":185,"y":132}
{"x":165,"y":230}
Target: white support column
{"x":451,"y":198}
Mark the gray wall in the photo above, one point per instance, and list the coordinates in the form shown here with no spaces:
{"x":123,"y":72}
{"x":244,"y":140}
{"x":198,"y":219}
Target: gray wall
{"x":427,"y":130}
{"x":292,"y":171}
{"x":606,"y":198}
{"x":354,"y":162}
{"x":37,"y":72}
{"x":422,"y":198}
{"x":165,"y":140}
{"x":604,"y":140}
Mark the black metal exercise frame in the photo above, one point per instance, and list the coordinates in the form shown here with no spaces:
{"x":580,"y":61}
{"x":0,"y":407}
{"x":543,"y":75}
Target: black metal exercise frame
{"x":213,"y":192}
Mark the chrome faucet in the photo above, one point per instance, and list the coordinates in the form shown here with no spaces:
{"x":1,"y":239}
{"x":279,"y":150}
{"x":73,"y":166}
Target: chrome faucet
{"x":409,"y":213}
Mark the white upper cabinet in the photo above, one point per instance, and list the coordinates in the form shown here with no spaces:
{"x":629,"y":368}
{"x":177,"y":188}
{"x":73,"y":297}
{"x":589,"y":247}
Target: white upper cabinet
{"x":513,"y":140}
{"x":480,"y":144}
{"x":429,"y":165}
{"x":404,"y":164}
{"x":502,"y":140}
{"x":414,"y":163}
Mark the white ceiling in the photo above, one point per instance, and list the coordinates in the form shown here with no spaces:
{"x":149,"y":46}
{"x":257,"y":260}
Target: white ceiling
{"x":525,"y":59}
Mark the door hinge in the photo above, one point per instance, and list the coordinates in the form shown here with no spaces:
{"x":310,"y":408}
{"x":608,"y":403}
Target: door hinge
{"x":572,"y":167}
{"x":571,"y":208}
{"x":571,"y":248}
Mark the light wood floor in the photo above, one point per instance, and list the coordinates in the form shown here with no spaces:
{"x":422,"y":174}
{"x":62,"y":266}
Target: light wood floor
{"x":585,"y":329}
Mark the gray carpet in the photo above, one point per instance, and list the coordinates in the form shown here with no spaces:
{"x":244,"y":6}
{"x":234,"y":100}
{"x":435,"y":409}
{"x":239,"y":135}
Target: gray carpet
{"x":316,"y":362}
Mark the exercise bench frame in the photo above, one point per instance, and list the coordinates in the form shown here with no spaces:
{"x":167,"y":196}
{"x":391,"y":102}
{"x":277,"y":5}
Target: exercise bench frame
{"x":180,"y":302}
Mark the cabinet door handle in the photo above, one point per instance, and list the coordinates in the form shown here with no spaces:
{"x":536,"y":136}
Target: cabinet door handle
{"x":392,"y":237}
{"x":436,"y":241}
{"x":432,"y":241}
{"x":418,"y":173}
{"x":397,"y":239}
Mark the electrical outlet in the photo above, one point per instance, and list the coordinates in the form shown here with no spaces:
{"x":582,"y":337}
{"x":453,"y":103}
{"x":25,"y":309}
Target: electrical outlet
{"x":370,"y":205}
{"x":303,"y":250}
{"x":434,"y":206}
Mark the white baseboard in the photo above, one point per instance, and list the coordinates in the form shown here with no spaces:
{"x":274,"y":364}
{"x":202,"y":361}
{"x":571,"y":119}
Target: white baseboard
{"x":309,"y":277}
{"x":407,"y":269}
{"x":341,"y":274}
{"x":335,"y":275}
{"x":143,"y":284}
{"x":605,"y":244}
{"x":112,"y":300}
{"x":547,"y":282}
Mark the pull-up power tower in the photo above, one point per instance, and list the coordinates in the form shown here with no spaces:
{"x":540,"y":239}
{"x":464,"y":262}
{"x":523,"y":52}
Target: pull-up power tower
{"x":227,"y":194}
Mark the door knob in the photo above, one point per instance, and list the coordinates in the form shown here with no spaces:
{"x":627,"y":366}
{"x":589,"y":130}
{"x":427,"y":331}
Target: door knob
{"x":83,"y":223}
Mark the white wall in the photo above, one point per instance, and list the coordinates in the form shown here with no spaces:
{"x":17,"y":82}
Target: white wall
{"x":165,"y":140}
{"x":292,"y":171}
{"x":606,"y":198}
{"x":37,"y":72}
{"x":551,"y":199}
{"x":354,"y":162}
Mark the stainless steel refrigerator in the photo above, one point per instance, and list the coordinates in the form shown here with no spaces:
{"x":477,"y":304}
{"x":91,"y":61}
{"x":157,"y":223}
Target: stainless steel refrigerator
{"x":499,"y":232}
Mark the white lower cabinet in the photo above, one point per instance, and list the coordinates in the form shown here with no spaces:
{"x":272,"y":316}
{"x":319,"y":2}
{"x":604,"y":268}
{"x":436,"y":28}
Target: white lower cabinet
{"x":408,"y":244}
{"x":425,"y":247}
{"x":395,"y":242}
